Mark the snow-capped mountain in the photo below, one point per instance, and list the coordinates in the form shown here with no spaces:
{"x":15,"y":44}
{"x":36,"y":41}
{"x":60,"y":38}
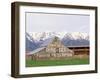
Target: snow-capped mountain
{"x":39,"y":36}
{"x":87,"y":37}
{"x":76,"y":35}
{"x":30,"y":43}
{"x":36,"y":39}
{"x":76,"y":39}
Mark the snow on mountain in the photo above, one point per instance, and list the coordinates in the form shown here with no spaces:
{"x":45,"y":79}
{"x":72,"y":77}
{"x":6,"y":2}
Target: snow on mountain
{"x":30,"y":43}
{"x":36,"y":39}
{"x":75,"y":39}
{"x":76,"y":35}
{"x":39,"y":36}
{"x":87,"y":37}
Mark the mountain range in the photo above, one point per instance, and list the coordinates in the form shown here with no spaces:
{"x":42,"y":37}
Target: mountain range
{"x":36,"y":39}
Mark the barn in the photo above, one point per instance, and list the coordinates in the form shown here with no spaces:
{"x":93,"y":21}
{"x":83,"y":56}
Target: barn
{"x":80,"y":51}
{"x":51,"y":49}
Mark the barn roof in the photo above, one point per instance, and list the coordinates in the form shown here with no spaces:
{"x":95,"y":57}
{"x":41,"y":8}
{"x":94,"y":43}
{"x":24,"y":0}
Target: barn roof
{"x":79,"y":46}
{"x":36,"y":50}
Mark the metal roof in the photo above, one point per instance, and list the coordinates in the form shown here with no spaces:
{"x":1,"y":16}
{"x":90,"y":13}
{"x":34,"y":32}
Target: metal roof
{"x":36,"y":50}
{"x":79,"y":46}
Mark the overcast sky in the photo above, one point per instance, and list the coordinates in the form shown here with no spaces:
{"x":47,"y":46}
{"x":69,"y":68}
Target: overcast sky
{"x":40,"y":22}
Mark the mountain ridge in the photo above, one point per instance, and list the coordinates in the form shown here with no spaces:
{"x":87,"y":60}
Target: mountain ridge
{"x":44,"y":35}
{"x":35,"y":40}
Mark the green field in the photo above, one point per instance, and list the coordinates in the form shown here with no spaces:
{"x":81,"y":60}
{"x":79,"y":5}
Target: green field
{"x":68,"y":61}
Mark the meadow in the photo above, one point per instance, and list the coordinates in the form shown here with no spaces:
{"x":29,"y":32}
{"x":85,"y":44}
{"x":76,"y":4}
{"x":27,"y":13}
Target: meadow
{"x":67,"y":61}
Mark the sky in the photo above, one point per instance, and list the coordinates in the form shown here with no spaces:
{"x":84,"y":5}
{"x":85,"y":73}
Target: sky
{"x":41,"y":22}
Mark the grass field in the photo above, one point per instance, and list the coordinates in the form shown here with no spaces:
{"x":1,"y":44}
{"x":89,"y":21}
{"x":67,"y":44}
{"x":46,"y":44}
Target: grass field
{"x":68,"y":61}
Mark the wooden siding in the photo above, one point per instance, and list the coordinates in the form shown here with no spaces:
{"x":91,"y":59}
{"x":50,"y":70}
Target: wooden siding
{"x":80,"y":50}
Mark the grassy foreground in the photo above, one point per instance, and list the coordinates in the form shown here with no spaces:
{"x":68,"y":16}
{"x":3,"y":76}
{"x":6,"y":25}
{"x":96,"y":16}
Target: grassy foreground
{"x":68,"y":61}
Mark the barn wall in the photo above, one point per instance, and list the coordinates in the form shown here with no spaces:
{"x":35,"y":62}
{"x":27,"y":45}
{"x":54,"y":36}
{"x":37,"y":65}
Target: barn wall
{"x":81,"y":52}
{"x":43,"y":55}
